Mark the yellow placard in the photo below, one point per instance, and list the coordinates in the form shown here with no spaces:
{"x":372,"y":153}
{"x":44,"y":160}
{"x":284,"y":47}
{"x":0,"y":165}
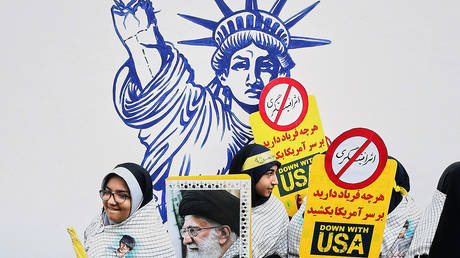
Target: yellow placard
{"x":294,"y":149}
{"x":77,"y":245}
{"x":340,"y":222}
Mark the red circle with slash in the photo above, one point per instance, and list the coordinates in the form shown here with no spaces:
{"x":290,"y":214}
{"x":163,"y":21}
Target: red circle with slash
{"x":371,"y":137}
{"x":274,"y":121}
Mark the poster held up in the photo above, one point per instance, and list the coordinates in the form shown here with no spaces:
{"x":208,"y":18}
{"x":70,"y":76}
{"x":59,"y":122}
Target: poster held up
{"x":289,"y":124}
{"x":347,"y":207}
{"x":197,"y":203}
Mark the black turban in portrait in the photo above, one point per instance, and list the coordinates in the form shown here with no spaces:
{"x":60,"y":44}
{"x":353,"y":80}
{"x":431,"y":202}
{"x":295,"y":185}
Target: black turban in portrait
{"x":217,"y":205}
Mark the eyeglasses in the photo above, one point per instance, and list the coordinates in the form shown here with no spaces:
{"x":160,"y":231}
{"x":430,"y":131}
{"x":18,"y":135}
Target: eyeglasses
{"x":119,"y":198}
{"x":192,"y":231}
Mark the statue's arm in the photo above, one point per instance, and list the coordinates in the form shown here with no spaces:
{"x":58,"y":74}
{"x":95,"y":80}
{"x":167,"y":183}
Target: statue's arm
{"x":135,"y":24}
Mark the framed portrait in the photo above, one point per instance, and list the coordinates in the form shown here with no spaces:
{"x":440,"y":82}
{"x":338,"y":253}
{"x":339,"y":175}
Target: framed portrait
{"x":209,"y":216}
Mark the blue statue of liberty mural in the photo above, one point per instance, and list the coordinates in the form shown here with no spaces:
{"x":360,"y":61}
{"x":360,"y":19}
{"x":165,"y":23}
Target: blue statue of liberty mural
{"x":187,"y":128}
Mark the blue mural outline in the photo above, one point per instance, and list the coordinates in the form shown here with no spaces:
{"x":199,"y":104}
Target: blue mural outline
{"x":180,"y":121}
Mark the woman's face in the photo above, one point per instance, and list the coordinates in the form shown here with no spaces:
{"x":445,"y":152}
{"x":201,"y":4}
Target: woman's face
{"x":251,"y":68}
{"x":264,"y":187}
{"x":117,"y":212}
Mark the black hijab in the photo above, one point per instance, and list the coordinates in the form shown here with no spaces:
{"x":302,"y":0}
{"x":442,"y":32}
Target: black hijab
{"x":446,"y":236}
{"x":402,"y":180}
{"x":236,"y":167}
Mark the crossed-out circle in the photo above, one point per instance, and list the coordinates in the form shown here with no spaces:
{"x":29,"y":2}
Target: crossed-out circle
{"x":356,"y":158}
{"x":283,"y":104}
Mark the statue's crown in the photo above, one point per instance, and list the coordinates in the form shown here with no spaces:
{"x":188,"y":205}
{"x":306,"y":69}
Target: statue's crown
{"x":246,"y":20}
{"x":251,"y":18}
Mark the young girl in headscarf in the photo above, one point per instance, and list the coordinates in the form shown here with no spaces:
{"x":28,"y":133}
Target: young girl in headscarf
{"x":269,"y":217}
{"x":128,"y":213}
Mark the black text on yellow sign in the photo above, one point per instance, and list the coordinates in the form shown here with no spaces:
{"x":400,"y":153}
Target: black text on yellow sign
{"x":339,"y":239}
{"x":293,"y":176}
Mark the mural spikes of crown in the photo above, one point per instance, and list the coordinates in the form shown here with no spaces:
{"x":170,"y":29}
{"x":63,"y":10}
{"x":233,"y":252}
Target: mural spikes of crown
{"x":252,"y":18}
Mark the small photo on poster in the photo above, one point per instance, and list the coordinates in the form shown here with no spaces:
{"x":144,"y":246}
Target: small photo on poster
{"x":208,"y":216}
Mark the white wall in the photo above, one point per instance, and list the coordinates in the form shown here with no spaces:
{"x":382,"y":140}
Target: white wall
{"x":393,"y":67}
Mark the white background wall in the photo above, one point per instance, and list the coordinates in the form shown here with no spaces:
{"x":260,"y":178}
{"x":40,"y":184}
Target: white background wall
{"x":393,"y":67}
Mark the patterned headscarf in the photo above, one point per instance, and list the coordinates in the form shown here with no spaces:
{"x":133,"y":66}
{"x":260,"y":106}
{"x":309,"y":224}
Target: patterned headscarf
{"x":446,"y":236}
{"x":429,"y":237}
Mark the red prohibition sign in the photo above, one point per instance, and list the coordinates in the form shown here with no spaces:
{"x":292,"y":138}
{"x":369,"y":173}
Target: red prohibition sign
{"x":273,"y":117}
{"x":370,"y":137}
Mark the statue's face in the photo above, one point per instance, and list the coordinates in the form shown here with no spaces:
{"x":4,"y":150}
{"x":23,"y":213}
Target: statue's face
{"x":250,"y":69}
